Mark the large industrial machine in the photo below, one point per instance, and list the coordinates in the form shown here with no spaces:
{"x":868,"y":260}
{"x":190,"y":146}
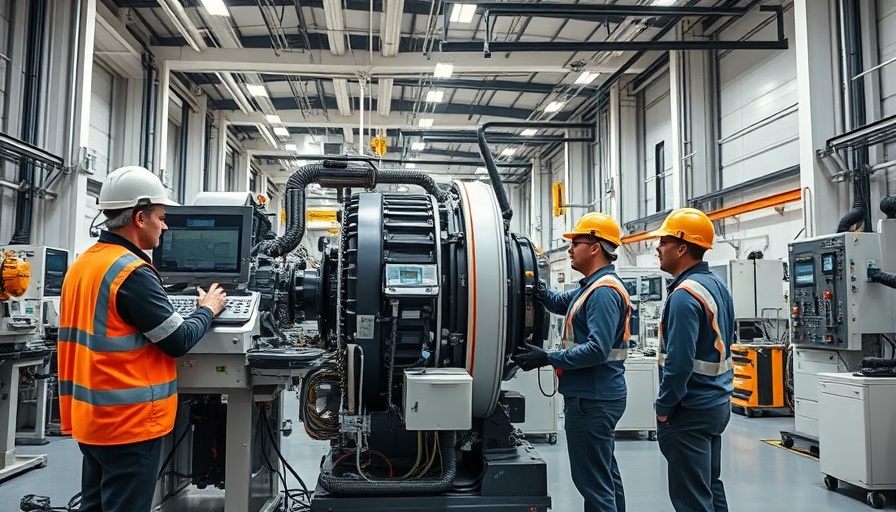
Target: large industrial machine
{"x":30,"y":286}
{"x":841,"y":311}
{"x":419,"y":304}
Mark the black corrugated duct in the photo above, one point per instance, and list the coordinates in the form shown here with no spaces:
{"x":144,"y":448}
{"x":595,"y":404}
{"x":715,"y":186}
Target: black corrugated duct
{"x":334,"y":174}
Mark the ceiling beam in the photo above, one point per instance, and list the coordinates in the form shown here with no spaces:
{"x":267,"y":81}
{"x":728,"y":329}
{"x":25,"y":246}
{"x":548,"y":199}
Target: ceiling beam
{"x":258,"y":60}
{"x":421,"y":7}
{"x":297,"y":118}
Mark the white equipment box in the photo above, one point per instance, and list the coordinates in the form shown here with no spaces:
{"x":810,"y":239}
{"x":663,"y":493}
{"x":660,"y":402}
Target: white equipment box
{"x":808,"y":364}
{"x":438,"y":399}
{"x":642,"y":381}
{"x":856,"y":419}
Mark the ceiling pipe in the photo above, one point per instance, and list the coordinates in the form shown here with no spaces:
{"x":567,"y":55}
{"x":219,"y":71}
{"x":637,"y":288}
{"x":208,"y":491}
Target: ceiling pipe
{"x":610,"y":46}
{"x":599,"y":10}
{"x":187,"y":29}
{"x":540,"y":10}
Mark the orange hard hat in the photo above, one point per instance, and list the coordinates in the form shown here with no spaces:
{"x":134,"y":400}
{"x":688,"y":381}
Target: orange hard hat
{"x":596,"y":224}
{"x":689,"y":224}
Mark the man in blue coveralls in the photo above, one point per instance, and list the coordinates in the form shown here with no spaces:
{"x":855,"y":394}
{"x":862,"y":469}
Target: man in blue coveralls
{"x":696,"y":332}
{"x":590,"y":366}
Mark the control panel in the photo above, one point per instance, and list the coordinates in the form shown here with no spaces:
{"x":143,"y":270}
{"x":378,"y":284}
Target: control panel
{"x":832,"y":302}
{"x":238,"y":310}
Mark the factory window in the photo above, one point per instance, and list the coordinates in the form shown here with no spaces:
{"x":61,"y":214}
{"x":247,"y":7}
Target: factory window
{"x":253,"y":180}
{"x":230,"y":170}
{"x":659,"y":162}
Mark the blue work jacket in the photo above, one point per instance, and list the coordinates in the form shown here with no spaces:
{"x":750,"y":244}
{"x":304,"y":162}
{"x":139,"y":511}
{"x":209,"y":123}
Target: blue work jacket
{"x":696,"y":333}
{"x":598,"y":327}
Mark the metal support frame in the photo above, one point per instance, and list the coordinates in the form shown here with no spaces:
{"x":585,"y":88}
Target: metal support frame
{"x":10,"y":463}
{"x":598,"y":12}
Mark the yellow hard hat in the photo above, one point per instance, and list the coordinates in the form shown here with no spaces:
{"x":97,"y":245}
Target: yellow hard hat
{"x":596,"y":224}
{"x":689,"y":224}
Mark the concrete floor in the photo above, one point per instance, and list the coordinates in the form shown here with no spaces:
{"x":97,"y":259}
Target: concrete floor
{"x":758,"y":477}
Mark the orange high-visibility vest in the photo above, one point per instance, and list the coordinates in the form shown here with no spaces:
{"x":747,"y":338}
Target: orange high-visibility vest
{"x":115,"y":386}
{"x":568,"y":337}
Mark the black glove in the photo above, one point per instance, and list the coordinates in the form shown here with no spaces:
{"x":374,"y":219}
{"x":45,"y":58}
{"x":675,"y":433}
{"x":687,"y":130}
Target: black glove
{"x":541,"y":291}
{"x":531,"y":357}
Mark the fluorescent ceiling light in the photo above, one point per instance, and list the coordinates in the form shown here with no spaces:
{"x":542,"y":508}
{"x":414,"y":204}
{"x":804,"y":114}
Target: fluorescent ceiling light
{"x":463,"y":13}
{"x":216,"y":7}
{"x":481,"y":170}
{"x":508,"y":152}
{"x":425,"y":123}
{"x":273,"y":118}
{"x":555,"y":106}
{"x":281,"y":131}
{"x":586,"y":78}
{"x":435,"y":96}
{"x":443,"y":70}
{"x":256,"y":90}
{"x":410,"y":165}
{"x":663,"y":2}
{"x":291,"y":147}
{"x":528,"y":132}
{"x":418,"y":146}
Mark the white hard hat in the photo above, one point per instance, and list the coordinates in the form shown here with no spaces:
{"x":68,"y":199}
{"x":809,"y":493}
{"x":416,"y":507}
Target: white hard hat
{"x":131,"y":185}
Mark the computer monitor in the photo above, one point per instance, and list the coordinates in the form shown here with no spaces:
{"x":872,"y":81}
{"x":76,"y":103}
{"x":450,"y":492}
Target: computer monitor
{"x":205,"y":244}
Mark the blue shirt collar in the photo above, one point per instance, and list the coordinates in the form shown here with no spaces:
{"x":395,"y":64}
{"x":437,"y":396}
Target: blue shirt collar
{"x":602,"y":271}
{"x":108,"y":237}
{"x":699,"y":267}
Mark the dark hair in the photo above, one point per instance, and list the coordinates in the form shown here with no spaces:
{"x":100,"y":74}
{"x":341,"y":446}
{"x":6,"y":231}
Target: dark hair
{"x":694,"y":250}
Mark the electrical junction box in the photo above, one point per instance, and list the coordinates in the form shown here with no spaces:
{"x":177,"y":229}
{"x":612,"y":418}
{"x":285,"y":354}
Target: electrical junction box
{"x":833,"y":303}
{"x":438,"y":399}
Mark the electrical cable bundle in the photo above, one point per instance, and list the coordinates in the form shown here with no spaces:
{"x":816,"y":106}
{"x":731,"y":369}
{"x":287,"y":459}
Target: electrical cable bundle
{"x":321,"y":421}
{"x":294,"y":500}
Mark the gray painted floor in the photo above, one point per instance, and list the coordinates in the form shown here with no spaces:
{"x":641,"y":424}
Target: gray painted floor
{"x":758,"y":477}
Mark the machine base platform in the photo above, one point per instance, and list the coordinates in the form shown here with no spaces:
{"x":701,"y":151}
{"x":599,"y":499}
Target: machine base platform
{"x":22,"y":463}
{"x":324,"y":502}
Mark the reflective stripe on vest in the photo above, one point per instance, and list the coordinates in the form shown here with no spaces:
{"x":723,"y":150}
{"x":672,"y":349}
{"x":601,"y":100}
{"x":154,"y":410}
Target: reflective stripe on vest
{"x":709,"y":368}
{"x":616,"y":354}
{"x":115,"y":386}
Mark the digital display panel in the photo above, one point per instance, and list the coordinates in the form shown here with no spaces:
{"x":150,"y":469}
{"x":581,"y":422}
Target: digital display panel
{"x":411,"y":275}
{"x":804,"y":272}
{"x":827,"y":263}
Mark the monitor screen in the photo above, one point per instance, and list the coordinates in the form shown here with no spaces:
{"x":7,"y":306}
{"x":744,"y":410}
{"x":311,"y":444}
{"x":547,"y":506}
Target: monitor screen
{"x":205,"y":244}
{"x":804,"y":272}
{"x":55,"y":266}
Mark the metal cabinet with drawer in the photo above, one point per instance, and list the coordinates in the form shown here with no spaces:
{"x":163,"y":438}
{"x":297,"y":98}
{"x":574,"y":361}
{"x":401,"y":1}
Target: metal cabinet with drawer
{"x":856,"y":419}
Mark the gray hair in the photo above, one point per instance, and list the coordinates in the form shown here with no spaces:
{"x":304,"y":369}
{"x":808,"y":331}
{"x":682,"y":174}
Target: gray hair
{"x":609,"y":250}
{"x":118,"y":218}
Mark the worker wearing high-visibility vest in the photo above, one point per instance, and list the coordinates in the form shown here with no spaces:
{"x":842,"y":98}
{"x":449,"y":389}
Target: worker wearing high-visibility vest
{"x":590,"y":365}
{"x":118,"y":337}
{"x":696,"y":332}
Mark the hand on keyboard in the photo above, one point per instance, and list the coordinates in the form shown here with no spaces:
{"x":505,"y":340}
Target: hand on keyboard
{"x":215,"y":299}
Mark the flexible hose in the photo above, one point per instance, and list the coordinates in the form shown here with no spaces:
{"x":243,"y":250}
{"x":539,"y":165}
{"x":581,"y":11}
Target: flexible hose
{"x":333,"y":174}
{"x":851,"y":218}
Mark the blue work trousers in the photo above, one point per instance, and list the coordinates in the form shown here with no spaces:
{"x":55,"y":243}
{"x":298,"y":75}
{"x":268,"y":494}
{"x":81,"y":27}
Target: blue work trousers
{"x":119,"y":478}
{"x":691,"y":441}
{"x":591,"y":440}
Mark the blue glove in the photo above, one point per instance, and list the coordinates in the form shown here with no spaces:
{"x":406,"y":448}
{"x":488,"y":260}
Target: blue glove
{"x":531,"y":357}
